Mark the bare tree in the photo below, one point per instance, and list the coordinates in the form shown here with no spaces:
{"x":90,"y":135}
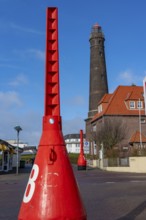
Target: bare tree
{"x":111,"y":133}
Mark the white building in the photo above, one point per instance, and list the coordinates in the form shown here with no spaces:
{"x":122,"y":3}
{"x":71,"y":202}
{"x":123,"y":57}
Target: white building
{"x":73,"y":143}
{"x":8,"y":156}
{"x":15,"y":143}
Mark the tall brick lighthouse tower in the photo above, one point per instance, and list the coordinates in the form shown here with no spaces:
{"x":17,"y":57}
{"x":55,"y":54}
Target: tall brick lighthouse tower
{"x":98,"y":75}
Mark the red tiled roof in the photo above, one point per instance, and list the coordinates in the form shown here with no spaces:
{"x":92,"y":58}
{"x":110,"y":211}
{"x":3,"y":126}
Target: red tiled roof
{"x":135,"y":138}
{"x":134,"y":95}
{"x":105,"y":98}
{"x":117,"y":103}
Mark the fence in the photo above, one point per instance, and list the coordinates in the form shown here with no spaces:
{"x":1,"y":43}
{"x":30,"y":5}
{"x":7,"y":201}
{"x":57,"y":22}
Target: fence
{"x":116,"y":162}
{"x":131,"y":164}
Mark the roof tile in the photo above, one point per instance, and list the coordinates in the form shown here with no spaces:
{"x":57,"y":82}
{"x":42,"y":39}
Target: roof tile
{"x":118,"y":102}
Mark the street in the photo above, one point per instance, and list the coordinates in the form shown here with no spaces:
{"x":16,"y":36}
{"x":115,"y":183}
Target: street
{"x":106,"y":195}
{"x":113,"y":196}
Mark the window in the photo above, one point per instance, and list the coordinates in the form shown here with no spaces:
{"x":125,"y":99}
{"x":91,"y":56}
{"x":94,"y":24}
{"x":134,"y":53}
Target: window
{"x":94,"y":127}
{"x":139,"y":104}
{"x":132,"y":104}
{"x":100,"y":108}
{"x":142,"y":121}
{"x":77,"y":145}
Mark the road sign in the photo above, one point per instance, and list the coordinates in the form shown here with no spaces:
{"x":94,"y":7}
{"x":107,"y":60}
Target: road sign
{"x":86,"y":143}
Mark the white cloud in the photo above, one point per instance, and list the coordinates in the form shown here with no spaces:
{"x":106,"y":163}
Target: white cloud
{"x":128,"y":77}
{"x":9,"y":66}
{"x":24,"y":29}
{"x":30,"y":123}
{"x":33,"y":53}
{"x":31,"y":133}
{"x":6,"y":62}
{"x":73,"y":126}
{"x":9,"y":99}
{"x":76,"y":100}
{"x":20,"y":80}
{"x":37,"y":53}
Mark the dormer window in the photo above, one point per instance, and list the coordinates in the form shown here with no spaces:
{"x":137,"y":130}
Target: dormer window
{"x":139,"y":104}
{"x":132,"y":104}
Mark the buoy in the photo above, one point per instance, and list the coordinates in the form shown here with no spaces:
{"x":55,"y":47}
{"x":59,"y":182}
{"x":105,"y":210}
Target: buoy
{"x":52,"y":192}
{"x":81,"y":159}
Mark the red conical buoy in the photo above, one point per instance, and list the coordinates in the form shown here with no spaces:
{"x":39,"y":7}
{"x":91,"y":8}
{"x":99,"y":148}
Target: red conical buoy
{"x":52,"y":192}
{"x":81,"y":158}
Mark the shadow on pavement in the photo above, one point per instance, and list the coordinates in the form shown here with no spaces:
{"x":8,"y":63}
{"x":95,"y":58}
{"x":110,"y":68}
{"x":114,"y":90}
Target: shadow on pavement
{"x":135,"y":212}
{"x":26,"y":169}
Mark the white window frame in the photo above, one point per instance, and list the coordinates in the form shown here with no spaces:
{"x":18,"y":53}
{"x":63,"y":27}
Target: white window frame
{"x":100,"y":108}
{"x":132,"y":104}
{"x":139,"y":104}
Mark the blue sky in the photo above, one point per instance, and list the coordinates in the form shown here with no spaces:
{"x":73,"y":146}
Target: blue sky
{"x":22,"y":58}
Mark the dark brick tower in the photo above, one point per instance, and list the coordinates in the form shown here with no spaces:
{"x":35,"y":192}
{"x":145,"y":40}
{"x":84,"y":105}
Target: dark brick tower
{"x":98,"y":76}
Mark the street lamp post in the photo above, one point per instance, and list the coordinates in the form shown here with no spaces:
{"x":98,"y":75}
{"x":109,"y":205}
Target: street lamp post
{"x":18,"y":129}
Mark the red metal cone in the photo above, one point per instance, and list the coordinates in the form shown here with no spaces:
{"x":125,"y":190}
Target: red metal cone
{"x":52,"y":192}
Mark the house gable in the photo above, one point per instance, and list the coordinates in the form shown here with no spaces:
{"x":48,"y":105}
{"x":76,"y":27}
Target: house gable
{"x":125,"y":101}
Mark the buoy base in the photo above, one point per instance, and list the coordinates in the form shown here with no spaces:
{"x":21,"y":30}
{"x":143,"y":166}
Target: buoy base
{"x":81,"y":167}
